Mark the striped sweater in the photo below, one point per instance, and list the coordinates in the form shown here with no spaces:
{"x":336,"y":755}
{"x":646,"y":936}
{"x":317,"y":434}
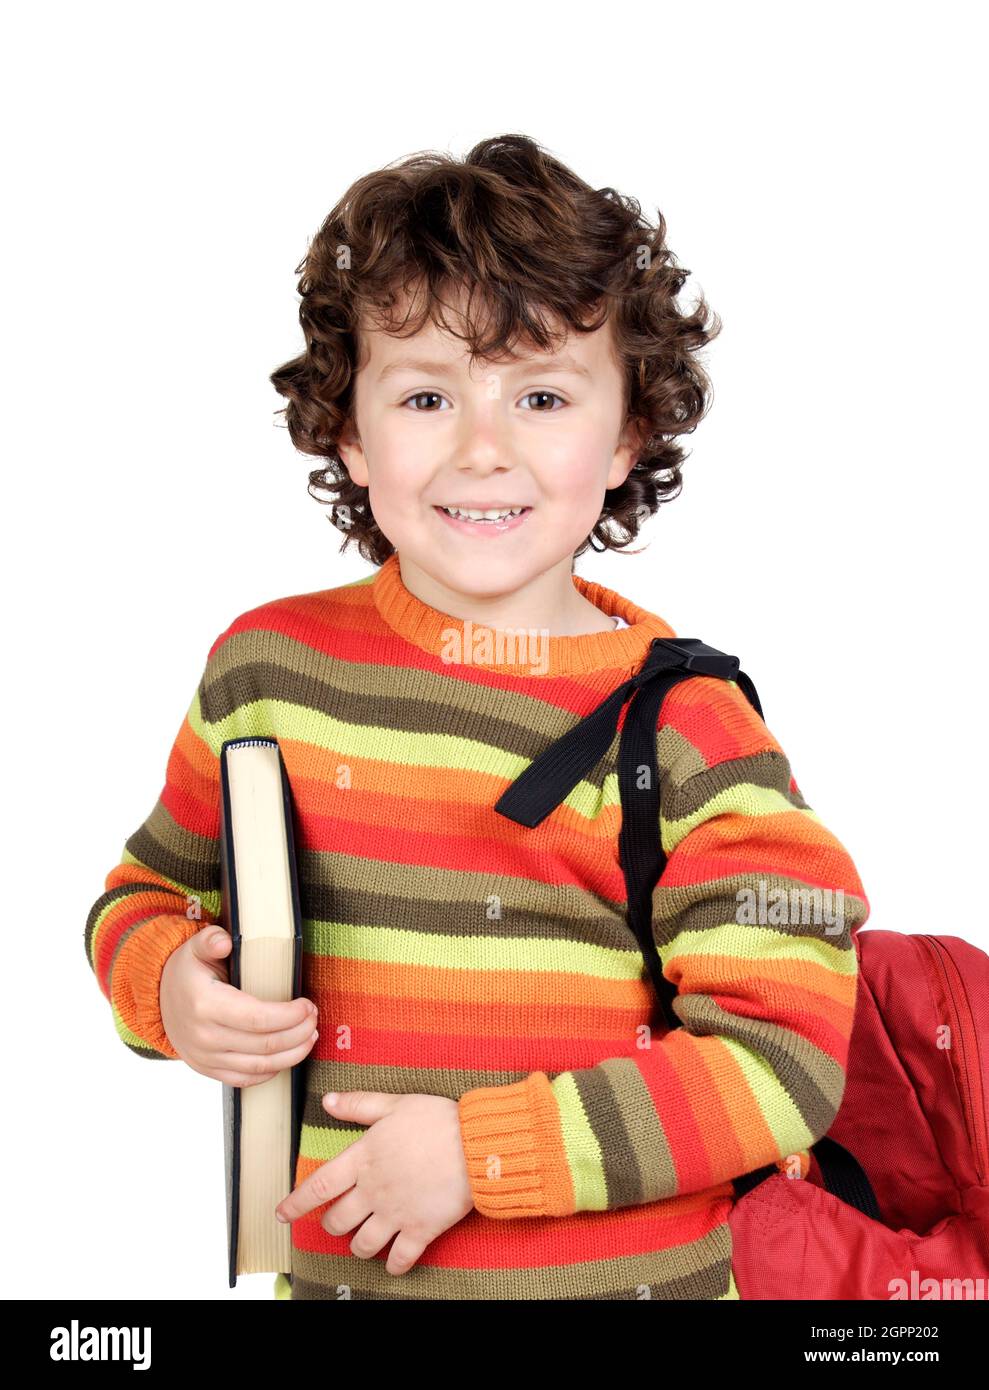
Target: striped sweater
{"x":453,"y":952}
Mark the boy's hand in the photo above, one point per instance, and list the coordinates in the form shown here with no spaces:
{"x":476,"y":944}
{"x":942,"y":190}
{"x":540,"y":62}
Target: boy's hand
{"x":221,"y":1031}
{"x":406,"y":1176}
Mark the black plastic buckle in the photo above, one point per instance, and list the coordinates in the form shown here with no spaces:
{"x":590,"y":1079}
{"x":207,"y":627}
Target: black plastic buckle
{"x":701,"y":659}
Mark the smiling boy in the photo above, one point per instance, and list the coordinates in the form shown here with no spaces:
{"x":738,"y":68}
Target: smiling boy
{"x":512,"y":574}
{"x":492,"y":1109}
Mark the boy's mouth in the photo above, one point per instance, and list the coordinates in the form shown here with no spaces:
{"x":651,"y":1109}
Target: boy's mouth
{"x":494,"y":522}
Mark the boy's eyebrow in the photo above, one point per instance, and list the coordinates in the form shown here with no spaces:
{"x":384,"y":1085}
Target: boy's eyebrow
{"x":562,"y":363}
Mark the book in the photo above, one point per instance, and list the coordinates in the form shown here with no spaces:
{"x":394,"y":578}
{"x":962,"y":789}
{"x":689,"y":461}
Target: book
{"x":260,"y":908}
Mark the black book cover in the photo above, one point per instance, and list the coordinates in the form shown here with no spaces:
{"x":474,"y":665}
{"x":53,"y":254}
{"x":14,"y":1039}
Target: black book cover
{"x":230,"y":919}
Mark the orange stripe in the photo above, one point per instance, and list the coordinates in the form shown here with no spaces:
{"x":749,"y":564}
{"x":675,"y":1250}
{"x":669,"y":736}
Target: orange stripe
{"x":762,"y":845}
{"x":342,"y":977}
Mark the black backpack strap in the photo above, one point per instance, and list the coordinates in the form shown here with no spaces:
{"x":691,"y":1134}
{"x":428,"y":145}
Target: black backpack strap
{"x":845,"y":1177}
{"x":639,"y":847}
{"x":551,"y":776}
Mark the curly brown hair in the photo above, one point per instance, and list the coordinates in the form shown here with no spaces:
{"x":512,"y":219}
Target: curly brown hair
{"x":541,"y":247}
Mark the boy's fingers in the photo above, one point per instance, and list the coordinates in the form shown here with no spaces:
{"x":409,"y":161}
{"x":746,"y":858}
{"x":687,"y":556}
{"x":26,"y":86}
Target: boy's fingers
{"x":256,"y":1064}
{"x":269,"y":1044}
{"x":404,"y":1252}
{"x":232,"y":1008}
{"x":327,"y":1182}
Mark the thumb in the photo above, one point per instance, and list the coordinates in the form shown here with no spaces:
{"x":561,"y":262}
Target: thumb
{"x":212,"y":943}
{"x":363,"y":1107}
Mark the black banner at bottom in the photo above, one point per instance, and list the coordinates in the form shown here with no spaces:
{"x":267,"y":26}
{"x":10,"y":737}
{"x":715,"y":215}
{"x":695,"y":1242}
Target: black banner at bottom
{"x":257,"y":1337}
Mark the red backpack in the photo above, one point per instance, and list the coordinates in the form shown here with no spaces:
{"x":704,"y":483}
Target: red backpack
{"x":896,"y":1202}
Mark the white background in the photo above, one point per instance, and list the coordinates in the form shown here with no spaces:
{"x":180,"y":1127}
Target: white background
{"x":165,"y":167}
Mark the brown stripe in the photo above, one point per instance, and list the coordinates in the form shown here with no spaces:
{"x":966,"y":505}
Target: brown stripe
{"x":624,"y":1182}
{"x":710,"y":904}
{"x":769,"y":769}
{"x":448,"y":902}
{"x":618,"y":1103}
{"x":166,"y":847}
{"x":343,"y":1074}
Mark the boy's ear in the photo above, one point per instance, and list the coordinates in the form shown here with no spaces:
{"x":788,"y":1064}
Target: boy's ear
{"x":352,"y":453}
{"x":626,"y":455}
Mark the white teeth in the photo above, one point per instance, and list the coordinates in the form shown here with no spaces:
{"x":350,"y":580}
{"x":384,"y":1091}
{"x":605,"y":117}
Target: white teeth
{"x":483,"y":516}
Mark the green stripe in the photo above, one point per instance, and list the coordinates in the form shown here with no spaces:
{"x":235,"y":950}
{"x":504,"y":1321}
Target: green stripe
{"x":323,"y":1142}
{"x":740,"y":799}
{"x":391,"y":945}
{"x":783,"y":1118}
{"x":752,"y":944}
{"x":580,"y":1143}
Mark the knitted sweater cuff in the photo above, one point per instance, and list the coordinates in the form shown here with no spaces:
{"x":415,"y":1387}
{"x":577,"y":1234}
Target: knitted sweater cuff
{"x":135,"y":980}
{"x":512,"y":1142}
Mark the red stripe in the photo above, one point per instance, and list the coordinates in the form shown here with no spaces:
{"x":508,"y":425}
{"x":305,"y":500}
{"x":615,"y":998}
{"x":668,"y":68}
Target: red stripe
{"x":405,"y":842}
{"x":471,"y":1053}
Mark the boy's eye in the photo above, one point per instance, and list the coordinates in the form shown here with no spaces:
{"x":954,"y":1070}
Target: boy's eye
{"x":552,"y":396}
{"x":435,"y":395}
{"x":425,"y":395}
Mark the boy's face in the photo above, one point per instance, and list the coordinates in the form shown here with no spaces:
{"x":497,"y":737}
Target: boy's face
{"x":530,"y":432}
